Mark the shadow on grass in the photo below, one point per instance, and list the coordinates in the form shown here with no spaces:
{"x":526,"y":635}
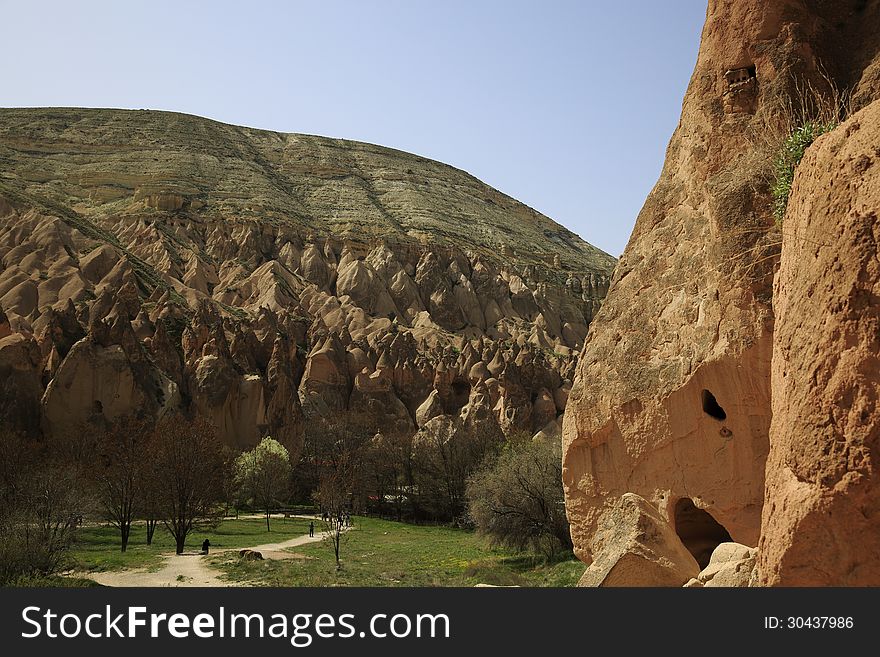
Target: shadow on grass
{"x":526,"y":570}
{"x":52,"y":581}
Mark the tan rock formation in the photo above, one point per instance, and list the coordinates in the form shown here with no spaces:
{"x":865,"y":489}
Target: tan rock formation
{"x":821,"y":523}
{"x":20,"y":388}
{"x":634,"y":546}
{"x":731,"y":565}
{"x":671,"y":399}
{"x":95,"y":380}
{"x":258,"y":278}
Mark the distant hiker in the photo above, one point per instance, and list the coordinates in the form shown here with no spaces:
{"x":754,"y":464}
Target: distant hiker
{"x":205,"y":545}
{"x":311,"y":529}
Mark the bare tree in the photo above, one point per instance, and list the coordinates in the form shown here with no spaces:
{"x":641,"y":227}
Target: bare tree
{"x":517,"y":500}
{"x":390,"y":461}
{"x":41,"y":505}
{"x":339,"y":442}
{"x":150,"y":508}
{"x":188,"y":472}
{"x":56,"y":501}
{"x":334,"y":498}
{"x":443,"y":459}
{"x":120,"y":471}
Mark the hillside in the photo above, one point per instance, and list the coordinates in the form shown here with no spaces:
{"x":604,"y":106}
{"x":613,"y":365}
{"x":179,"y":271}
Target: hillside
{"x":158,"y":262}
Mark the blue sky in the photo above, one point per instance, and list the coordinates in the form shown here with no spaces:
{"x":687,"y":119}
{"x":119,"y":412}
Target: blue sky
{"x":566,"y":106}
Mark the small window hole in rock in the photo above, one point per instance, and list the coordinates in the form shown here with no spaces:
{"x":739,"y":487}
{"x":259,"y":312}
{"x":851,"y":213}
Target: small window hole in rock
{"x":711,"y":406}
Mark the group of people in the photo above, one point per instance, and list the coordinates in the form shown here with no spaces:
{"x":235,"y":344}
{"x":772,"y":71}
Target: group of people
{"x":342,"y":519}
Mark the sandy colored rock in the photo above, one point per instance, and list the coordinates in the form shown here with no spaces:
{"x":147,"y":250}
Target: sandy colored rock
{"x":250,"y":555}
{"x":95,"y":381}
{"x":259,"y":279}
{"x":671,"y":399}
{"x":821,"y":523}
{"x":430,"y":408}
{"x":550,"y":431}
{"x":731,"y":565}
{"x":20,"y":389}
{"x":635,"y":546}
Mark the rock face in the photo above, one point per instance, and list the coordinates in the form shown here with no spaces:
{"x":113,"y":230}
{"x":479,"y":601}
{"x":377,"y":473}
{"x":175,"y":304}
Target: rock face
{"x":154,"y":261}
{"x":731,"y":566}
{"x":672,"y":395}
{"x":20,"y":389}
{"x":821,"y":522}
{"x":633,"y":542}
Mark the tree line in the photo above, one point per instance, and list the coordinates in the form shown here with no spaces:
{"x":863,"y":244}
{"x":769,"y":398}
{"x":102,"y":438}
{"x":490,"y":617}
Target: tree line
{"x":509,"y":489}
{"x":174,"y":473}
{"x":177,"y":474}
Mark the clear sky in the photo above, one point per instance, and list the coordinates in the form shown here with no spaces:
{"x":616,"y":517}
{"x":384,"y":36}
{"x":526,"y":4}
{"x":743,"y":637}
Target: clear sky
{"x":564,"y":105}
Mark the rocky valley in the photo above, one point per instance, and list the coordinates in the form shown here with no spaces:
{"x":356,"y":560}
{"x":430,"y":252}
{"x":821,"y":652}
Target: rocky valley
{"x":156,"y":262}
{"x":715,"y":391}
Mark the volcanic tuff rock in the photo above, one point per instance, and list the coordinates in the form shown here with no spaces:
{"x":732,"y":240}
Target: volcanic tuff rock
{"x":159,"y":261}
{"x":731,"y":565}
{"x":634,"y":543}
{"x":822,"y":504}
{"x":672,"y":397}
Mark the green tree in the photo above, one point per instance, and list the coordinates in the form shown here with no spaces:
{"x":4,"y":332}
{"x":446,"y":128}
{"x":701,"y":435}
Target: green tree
{"x":263,"y":474}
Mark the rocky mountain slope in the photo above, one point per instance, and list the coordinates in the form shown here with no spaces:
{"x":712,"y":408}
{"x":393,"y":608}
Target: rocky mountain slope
{"x":705,"y":402}
{"x":156,"y":261}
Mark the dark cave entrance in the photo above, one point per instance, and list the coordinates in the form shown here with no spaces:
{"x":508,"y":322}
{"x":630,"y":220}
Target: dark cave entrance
{"x":698,"y":530}
{"x":711,"y":406}
{"x":460,"y":393}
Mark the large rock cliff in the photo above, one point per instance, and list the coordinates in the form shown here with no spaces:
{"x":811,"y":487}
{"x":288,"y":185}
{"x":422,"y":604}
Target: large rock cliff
{"x":672,"y":397}
{"x":821,"y":524}
{"x":156,"y":261}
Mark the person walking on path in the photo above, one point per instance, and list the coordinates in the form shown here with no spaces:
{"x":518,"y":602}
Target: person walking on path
{"x":311,"y":528}
{"x":205,"y":545}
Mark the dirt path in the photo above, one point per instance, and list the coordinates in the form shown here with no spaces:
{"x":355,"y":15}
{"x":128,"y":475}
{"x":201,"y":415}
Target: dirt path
{"x":191,"y":568}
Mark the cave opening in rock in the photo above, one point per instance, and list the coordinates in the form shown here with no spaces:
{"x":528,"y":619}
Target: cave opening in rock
{"x":698,"y":530}
{"x":460,"y":392}
{"x":711,"y":406}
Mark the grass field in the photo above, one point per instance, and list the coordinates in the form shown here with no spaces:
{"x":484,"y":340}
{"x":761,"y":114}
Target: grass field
{"x":97,"y":548}
{"x":384,"y":553}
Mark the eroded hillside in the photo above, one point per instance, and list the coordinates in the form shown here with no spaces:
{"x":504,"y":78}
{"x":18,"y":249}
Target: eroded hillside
{"x":156,"y":261}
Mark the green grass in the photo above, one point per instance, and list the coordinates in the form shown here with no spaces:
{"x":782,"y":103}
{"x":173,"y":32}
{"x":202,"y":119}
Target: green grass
{"x":385,"y":553}
{"x":789,"y":156}
{"x":97,"y":548}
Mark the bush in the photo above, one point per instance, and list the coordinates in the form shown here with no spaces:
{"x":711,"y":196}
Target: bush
{"x":517,"y":500}
{"x":41,"y":505}
{"x":789,"y":156}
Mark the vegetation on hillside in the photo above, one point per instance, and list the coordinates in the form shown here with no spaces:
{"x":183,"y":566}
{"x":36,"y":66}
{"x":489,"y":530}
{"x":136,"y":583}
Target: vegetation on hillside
{"x":789,"y":156}
{"x":799,"y":115}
